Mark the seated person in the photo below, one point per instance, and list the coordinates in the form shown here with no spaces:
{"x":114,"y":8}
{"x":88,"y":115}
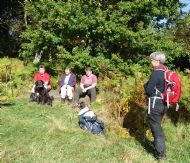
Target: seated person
{"x":44,"y":76}
{"x":87,"y":86}
{"x":67,"y":84}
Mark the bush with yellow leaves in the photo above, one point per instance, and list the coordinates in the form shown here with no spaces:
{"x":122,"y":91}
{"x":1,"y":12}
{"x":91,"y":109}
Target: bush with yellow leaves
{"x":127,"y":104}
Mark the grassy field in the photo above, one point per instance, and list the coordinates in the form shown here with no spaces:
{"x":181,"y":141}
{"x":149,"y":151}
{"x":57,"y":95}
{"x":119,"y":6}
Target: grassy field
{"x":36,"y":133}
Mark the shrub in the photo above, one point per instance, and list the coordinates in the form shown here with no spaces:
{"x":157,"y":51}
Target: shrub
{"x":15,"y":77}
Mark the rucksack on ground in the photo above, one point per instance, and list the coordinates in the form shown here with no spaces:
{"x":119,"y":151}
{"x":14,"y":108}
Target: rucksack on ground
{"x":89,"y":121}
{"x":95,"y":127}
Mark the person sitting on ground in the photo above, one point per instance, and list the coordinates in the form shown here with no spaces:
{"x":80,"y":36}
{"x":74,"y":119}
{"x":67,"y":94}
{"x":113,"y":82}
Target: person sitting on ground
{"x":67,"y":85}
{"x":87,"y":86}
{"x":44,"y":76}
{"x":88,"y":120}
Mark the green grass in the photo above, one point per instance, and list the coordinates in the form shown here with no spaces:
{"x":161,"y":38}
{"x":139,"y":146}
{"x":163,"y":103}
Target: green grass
{"x":36,"y":133}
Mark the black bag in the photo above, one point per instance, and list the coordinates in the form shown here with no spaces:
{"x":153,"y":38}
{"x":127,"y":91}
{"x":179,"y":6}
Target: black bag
{"x":93,"y":125}
{"x":98,"y":127}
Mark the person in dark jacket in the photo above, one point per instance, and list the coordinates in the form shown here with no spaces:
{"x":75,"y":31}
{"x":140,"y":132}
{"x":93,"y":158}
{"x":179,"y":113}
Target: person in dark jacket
{"x":156,"y":107}
{"x":67,"y":84}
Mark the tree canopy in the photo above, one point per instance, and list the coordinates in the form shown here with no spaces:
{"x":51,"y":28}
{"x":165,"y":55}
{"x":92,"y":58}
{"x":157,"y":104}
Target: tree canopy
{"x":100,"y":33}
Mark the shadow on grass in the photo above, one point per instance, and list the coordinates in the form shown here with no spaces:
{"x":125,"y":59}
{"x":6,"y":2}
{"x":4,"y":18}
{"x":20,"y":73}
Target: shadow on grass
{"x":7,"y":104}
{"x":135,"y":121}
{"x":182,"y":116}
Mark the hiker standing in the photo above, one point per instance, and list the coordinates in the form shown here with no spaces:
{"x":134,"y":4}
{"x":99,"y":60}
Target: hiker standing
{"x":157,"y":107}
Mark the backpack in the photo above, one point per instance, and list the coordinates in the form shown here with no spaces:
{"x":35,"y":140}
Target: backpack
{"x":98,"y":127}
{"x":172,"y":92}
{"x":93,"y":125}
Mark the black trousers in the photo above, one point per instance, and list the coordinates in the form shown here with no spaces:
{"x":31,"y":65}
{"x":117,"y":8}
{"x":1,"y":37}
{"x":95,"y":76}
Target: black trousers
{"x":91,"y":93}
{"x":155,"y":119}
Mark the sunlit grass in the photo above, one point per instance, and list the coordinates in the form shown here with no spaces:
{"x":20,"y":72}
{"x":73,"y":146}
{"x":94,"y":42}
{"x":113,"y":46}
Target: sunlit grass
{"x":36,"y":133}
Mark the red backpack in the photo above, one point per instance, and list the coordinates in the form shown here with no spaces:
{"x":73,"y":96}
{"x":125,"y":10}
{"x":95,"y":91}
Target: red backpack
{"x":172,"y":92}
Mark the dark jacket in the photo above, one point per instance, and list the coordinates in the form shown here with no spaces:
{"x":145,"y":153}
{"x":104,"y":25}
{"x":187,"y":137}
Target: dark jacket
{"x":156,"y":81}
{"x":72,"y":80}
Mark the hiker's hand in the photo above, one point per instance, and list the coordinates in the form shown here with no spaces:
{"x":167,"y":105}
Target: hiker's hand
{"x":45,"y":83}
{"x":84,"y":90}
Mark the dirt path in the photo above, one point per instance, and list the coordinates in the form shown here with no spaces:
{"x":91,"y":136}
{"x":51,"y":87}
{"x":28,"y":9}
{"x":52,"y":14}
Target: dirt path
{"x":55,"y":94}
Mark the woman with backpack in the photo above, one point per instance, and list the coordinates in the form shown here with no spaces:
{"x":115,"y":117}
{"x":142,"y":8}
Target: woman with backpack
{"x":156,"y":106}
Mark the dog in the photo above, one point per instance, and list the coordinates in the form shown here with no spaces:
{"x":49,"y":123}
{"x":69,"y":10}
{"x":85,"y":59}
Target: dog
{"x":41,"y":94}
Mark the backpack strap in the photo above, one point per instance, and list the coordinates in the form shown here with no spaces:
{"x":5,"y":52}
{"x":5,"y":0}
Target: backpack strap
{"x":154,"y":100}
{"x":86,"y":109}
{"x":153,"y":104}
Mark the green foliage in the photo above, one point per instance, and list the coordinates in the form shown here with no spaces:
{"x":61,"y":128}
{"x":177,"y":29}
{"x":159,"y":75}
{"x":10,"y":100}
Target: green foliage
{"x":183,"y":32}
{"x":185,"y":99}
{"x":129,"y":100}
{"x":11,"y":26}
{"x":182,"y":35}
{"x":129,"y":97}
{"x":15,"y":78}
{"x":106,"y":35}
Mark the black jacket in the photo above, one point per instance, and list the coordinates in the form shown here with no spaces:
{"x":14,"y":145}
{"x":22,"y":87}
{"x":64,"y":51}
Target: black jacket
{"x":156,"y":81}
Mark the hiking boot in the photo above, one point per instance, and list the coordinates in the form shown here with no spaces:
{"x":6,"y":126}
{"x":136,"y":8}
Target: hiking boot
{"x":70,"y":101}
{"x":161,"y":158}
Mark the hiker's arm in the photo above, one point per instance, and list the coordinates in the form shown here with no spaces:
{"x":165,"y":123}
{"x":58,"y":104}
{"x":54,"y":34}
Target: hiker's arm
{"x":35,"y":78}
{"x":61,"y":83}
{"x":82,"y":82}
{"x":92,"y":86}
{"x":82,"y":86}
{"x":151,"y":84}
{"x":73,"y":83}
{"x":47,"y":80}
{"x":46,"y":83}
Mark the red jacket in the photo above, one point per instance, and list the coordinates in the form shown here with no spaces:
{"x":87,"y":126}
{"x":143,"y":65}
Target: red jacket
{"x":44,"y":77}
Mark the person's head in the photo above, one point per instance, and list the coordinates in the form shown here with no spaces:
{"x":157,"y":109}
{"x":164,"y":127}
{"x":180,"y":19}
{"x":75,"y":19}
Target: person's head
{"x":157,"y":58}
{"x":42,"y":69}
{"x":82,"y":105}
{"x":88,"y":71}
{"x":67,"y":70}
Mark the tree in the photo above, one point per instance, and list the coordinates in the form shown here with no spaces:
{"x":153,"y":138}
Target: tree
{"x":11,"y":25}
{"x":69,"y":31}
{"x":182,"y":36}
